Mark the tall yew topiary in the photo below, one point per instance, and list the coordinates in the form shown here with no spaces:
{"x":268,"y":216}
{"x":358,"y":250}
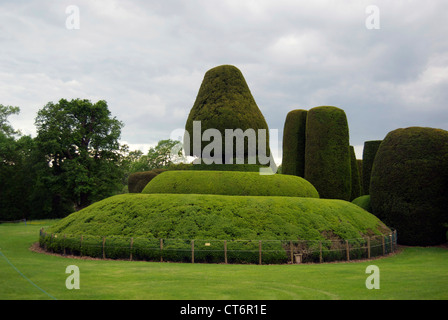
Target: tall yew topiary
{"x":368,"y":155}
{"x":224,"y":101}
{"x":409,"y":184}
{"x":293,"y":161}
{"x":327,"y":152}
{"x":356,"y":183}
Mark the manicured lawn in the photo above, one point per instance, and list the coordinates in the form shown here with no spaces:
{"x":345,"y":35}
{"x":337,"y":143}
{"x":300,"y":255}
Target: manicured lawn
{"x":414,"y":273}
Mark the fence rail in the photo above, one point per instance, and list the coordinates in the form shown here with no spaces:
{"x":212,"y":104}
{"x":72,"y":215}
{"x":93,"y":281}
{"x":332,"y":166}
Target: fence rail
{"x":219,"y":251}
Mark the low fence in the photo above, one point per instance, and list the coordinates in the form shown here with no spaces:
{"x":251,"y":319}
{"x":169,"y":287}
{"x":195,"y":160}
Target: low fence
{"x":219,"y":251}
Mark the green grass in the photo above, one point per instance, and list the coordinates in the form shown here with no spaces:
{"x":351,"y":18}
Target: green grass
{"x":415,"y":273}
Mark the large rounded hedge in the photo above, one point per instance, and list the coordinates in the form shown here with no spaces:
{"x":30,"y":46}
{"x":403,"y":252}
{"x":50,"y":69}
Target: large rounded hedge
{"x":178,"y":216}
{"x":368,"y":155}
{"x":224,"y":101}
{"x":293,"y":161}
{"x":230,"y":183}
{"x":409,"y":184}
{"x":327,"y":152}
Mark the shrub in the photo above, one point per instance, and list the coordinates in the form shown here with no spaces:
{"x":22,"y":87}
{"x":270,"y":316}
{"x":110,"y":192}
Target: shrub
{"x":327,"y":156}
{"x":368,"y":156}
{"x":230,"y":183}
{"x":409,"y":184}
{"x":356,"y":183}
{"x":138,"y":181}
{"x":363,"y":202}
{"x":224,"y":101}
{"x":293,"y":161}
{"x":175,"y":220}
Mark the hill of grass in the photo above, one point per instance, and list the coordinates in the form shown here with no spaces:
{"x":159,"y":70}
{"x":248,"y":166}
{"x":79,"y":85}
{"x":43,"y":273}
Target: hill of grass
{"x":230,"y":183}
{"x":180,"y":216}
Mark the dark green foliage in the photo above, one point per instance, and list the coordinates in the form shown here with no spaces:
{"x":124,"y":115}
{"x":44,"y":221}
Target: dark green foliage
{"x":137,"y":181}
{"x":293,"y":161}
{"x":356,"y":183}
{"x":368,"y":156}
{"x":327,"y":152}
{"x":80,"y":141}
{"x":224,"y":101}
{"x":409,"y":184}
{"x":363,"y":202}
{"x":230,"y":183}
{"x":179,"y":216}
{"x":359,"y":164}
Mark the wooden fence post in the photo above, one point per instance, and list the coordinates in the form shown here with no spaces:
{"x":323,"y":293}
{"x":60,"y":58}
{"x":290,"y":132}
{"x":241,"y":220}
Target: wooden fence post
{"x":384,"y":245}
{"x":347,"y":248}
{"x":192,"y":251}
{"x":104,"y":252}
{"x":292,"y":251}
{"x":225,"y":251}
{"x":64,"y":245}
{"x":259,"y":252}
{"x":368,"y":247}
{"x":320,"y":252}
{"x":80,"y":247}
{"x":391,"y":244}
{"x":161,"y":250}
{"x":130,"y":249}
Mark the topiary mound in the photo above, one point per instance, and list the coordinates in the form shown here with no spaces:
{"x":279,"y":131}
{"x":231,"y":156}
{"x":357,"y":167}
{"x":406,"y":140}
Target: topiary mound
{"x":327,"y":152}
{"x":409,"y":184}
{"x":178,"y":216}
{"x":293,"y":161}
{"x":363,"y":202}
{"x":137,"y":181}
{"x":230,"y":183}
{"x":224,"y":101}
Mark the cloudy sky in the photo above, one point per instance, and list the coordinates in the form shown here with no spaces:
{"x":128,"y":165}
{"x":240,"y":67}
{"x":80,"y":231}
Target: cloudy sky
{"x":147,"y":59}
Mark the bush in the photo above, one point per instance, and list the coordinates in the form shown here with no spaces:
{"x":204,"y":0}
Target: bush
{"x":368,"y":156}
{"x":138,"y":181}
{"x":224,"y":101}
{"x":363,"y":202}
{"x":179,"y":216}
{"x":409,"y":184}
{"x":327,"y":156}
{"x":230,"y":183}
{"x":293,"y":161}
{"x":356,"y":183}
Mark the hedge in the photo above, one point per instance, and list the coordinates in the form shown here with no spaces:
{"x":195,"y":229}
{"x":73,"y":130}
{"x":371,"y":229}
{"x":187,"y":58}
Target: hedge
{"x":224,"y":101}
{"x":409,"y":184}
{"x":293,"y":161}
{"x":242,"y":221}
{"x":356,"y":183}
{"x":327,"y":152}
{"x":230,"y":183}
{"x":368,"y":156}
{"x":137,"y":181}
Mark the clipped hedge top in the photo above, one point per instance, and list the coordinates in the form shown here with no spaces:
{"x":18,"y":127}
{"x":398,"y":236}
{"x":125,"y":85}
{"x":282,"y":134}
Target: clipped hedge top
{"x":230,"y":183}
{"x":179,"y":216}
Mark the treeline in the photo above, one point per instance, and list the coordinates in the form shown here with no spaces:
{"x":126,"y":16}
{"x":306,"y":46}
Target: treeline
{"x":75,"y":159}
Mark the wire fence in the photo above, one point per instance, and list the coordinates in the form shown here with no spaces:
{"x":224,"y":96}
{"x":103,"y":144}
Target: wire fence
{"x":219,"y":251}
